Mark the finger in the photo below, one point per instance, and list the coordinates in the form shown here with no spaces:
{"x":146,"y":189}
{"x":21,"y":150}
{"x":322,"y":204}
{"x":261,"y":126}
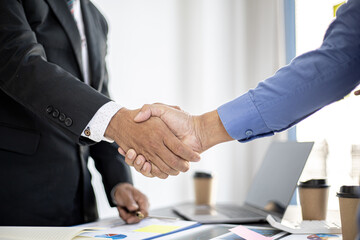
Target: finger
{"x":357,"y":92}
{"x":144,"y":114}
{"x":125,"y":215}
{"x":155,"y":171}
{"x":176,"y":107}
{"x":128,"y":217}
{"x":172,"y":106}
{"x":130,"y":157}
{"x":181,"y":150}
{"x":121,"y":151}
{"x":133,"y":219}
{"x":147,"y":111}
{"x":162,"y":160}
{"x":176,"y":163}
{"x":143,"y":202}
{"x":146,"y":170}
{"x":139,"y":162}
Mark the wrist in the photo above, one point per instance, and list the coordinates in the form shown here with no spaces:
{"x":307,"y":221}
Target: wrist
{"x":111,"y":130}
{"x":115,"y":189}
{"x":210,"y":130}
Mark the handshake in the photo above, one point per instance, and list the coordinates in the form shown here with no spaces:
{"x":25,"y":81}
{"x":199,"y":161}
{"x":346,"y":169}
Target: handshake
{"x":160,"y":140}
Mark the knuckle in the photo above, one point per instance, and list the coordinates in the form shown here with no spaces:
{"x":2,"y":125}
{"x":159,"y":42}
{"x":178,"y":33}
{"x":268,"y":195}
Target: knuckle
{"x":173,"y":172}
{"x":163,"y":176}
{"x":128,"y":162}
{"x":158,"y":173}
{"x":145,"y":106}
{"x":186,"y":167}
{"x":173,"y":162}
{"x":178,"y":148}
{"x":138,"y":168}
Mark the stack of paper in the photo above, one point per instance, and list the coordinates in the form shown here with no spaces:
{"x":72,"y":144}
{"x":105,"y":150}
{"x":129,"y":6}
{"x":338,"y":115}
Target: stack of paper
{"x":41,"y":233}
{"x":149,"y":228}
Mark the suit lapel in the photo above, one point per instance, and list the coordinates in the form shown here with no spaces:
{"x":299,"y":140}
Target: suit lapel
{"x":63,"y":14}
{"x":92,"y":42}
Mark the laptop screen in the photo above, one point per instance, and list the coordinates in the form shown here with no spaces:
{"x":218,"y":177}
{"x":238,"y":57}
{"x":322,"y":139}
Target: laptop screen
{"x":274,"y":183}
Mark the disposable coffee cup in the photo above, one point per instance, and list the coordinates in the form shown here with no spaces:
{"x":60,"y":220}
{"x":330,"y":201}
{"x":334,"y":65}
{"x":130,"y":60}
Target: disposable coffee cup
{"x":313,"y":199}
{"x":204,"y":188}
{"x":349,"y":199}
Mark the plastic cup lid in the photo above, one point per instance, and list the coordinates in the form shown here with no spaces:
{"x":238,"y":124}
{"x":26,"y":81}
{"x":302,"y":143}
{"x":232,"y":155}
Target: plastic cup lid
{"x":314,"y":183}
{"x":349,"y":192}
{"x":202,"y":175}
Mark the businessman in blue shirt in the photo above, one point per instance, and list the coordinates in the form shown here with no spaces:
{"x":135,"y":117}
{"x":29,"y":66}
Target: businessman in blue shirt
{"x":310,"y":82}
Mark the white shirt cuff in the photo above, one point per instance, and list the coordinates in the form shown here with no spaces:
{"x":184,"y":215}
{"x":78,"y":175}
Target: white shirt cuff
{"x":95,"y":129}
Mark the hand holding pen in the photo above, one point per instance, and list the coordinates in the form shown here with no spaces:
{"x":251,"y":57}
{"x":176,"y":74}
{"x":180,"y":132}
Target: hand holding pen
{"x":131,"y":203}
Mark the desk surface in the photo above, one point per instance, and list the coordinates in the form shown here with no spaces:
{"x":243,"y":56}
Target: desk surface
{"x":292,"y":213}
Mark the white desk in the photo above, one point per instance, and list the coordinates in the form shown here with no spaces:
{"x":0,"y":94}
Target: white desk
{"x":292,"y":213}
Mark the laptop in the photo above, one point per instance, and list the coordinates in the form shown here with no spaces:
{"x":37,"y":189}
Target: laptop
{"x":270,"y":192}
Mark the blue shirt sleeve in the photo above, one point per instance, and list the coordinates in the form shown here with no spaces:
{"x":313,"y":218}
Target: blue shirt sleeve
{"x":310,"y":82}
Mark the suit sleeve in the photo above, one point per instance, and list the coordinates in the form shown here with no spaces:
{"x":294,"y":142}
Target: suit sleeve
{"x":111,"y":166}
{"x":28,"y":78}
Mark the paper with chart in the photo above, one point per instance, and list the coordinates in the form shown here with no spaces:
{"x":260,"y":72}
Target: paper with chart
{"x":146,"y":229}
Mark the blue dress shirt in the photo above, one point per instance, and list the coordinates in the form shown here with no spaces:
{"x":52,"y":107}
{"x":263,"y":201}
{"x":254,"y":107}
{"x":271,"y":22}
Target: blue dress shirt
{"x":310,"y":82}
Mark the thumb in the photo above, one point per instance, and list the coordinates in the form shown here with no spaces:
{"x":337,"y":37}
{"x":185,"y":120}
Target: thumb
{"x":144,"y":114}
{"x":147,"y":111}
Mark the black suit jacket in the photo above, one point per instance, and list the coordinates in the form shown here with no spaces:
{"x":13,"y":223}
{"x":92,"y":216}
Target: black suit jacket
{"x":44,"y":106}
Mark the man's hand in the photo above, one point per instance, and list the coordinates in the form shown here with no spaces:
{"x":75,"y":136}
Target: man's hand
{"x":129,"y":200}
{"x":183,"y":125}
{"x":153,"y":140}
{"x":198,"y":132}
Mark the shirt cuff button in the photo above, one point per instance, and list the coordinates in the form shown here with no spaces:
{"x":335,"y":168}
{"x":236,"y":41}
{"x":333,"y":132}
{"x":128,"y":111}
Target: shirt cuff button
{"x":87,"y":132}
{"x":249,"y":132}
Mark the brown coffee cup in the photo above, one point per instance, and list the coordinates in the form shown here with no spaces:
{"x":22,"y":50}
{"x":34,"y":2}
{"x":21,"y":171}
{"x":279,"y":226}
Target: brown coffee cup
{"x":204,"y":188}
{"x":349,"y":199}
{"x":313,"y":199}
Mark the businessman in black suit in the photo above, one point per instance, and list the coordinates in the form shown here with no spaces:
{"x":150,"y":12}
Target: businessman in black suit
{"x":49,"y":93}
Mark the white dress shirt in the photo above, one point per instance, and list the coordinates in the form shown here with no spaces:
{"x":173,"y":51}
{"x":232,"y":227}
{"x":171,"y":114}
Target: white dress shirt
{"x":95,"y":129}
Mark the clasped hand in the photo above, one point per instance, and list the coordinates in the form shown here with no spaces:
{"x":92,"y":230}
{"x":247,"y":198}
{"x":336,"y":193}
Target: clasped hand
{"x":197,"y":133}
{"x":165,"y":153}
{"x":182,"y":125}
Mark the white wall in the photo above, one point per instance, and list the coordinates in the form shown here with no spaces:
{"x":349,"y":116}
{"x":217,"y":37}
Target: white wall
{"x":197,"y":54}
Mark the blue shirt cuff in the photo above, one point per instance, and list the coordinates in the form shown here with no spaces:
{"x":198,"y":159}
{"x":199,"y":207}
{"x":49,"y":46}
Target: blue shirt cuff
{"x":242,"y":120}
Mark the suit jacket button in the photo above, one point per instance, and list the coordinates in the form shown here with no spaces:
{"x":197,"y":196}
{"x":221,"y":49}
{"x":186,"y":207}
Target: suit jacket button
{"x":49,"y":109}
{"x":62,"y":117}
{"x":55,"y":113}
{"x":68,"y":122}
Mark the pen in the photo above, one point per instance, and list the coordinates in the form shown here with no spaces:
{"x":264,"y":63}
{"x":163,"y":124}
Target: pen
{"x":166,"y":218}
{"x":139,"y":214}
